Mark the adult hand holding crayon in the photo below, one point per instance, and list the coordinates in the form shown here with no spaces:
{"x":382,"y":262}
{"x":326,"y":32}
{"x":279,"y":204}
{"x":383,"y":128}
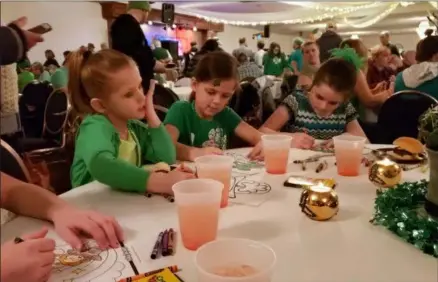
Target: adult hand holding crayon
{"x":28,"y":259}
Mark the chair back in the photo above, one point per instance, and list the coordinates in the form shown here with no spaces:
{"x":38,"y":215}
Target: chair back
{"x":161,"y":112}
{"x":32,"y":106}
{"x":249,"y":79}
{"x":55,"y":114}
{"x":399,"y":115}
{"x":164,"y":96}
{"x":247,"y":104}
{"x":288,"y":86}
{"x":12,"y":164}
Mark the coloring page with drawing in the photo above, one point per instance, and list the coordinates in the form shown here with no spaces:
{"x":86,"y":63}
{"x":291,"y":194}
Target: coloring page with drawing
{"x":93,"y":264}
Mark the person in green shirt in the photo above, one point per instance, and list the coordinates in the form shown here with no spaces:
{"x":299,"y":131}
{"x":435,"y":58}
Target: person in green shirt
{"x":274,"y":61}
{"x":204,"y":125}
{"x":296,"y":60}
{"x":112,"y":144}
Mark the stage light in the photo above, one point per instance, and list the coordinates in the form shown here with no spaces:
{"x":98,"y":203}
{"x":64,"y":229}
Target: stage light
{"x":174,"y":26}
{"x":149,"y":22}
{"x":195,"y":28}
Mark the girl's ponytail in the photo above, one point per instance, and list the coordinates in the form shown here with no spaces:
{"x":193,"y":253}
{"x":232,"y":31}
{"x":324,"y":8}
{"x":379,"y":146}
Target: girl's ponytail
{"x":79,"y":98}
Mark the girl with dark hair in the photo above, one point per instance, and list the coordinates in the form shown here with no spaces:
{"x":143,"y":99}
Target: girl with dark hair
{"x":322,"y":112}
{"x":50,"y":59}
{"x":274,"y":61}
{"x":210,"y":45}
{"x":203,"y":126}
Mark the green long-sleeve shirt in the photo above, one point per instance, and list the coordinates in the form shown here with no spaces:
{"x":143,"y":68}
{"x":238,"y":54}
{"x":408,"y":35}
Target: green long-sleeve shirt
{"x":97,"y":149}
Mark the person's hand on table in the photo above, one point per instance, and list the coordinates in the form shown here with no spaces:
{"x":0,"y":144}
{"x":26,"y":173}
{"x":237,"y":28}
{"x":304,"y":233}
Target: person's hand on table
{"x":208,"y":151}
{"x":302,"y":141}
{"x":31,"y":38}
{"x":74,"y":225}
{"x":161,"y":183}
{"x":30,"y":260}
{"x":257,"y":152}
{"x":327,"y":144}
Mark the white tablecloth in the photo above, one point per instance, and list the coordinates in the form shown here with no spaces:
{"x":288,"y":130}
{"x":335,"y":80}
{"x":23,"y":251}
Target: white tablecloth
{"x":345,"y":249}
{"x":183,"y":92}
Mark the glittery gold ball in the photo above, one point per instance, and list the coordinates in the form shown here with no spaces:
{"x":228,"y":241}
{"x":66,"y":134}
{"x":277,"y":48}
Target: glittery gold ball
{"x":385,"y":173}
{"x":319,"y":205}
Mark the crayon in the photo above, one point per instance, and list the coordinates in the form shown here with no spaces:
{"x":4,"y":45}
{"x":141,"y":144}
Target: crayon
{"x":172,"y":268}
{"x":321,"y":166}
{"x":303,"y":166}
{"x":171,"y":242}
{"x":164,"y":243}
{"x":170,"y":198}
{"x":18,"y":240}
{"x":157,"y":245}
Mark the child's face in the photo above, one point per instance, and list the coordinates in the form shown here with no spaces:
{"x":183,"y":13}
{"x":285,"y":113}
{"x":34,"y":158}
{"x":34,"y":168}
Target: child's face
{"x":324,"y":100}
{"x":213,"y":96}
{"x":126,"y":100}
{"x":311,"y":54}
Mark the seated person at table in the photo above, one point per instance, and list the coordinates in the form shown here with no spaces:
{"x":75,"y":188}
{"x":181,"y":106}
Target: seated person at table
{"x":112,"y":144}
{"x":203,"y":126}
{"x":32,"y":259}
{"x":322,"y":112}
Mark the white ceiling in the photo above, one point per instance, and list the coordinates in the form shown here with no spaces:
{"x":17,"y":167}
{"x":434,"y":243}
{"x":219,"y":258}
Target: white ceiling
{"x":402,"y":19}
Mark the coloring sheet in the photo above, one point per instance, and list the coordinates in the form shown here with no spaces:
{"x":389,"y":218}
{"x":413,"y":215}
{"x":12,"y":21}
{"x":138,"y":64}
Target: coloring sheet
{"x":93,"y":264}
{"x":247,"y":185}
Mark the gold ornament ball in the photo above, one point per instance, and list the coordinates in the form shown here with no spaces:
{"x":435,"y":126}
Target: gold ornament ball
{"x":319,"y":205}
{"x":385,"y":173}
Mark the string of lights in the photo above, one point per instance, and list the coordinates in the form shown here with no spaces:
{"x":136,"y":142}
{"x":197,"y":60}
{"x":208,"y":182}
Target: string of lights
{"x":374,"y":20}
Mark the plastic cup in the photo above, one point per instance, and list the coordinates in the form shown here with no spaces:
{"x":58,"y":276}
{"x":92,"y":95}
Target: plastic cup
{"x":219,"y":168}
{"x":348,"y":152}
{"x":276,"y":150}
{"x":198,"y":202}
{"x":225,"y":255}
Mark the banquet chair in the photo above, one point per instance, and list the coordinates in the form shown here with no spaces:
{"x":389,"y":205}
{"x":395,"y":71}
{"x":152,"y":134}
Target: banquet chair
{"x":399,"y":115}
{"x":164,"y":97}
{"x":247,"y":79}
{"x":288,"y":86}
{"x":32,"y":105}
{"x":161,"y":112}
{"x":55,"y":117}
{"x":12,"y":164}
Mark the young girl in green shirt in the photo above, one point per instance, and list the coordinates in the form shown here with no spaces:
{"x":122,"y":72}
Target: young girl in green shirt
{"x":204,"y":125}
{"x":112,"y":144}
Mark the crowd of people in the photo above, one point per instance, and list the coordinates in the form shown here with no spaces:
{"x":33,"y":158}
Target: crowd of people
{"x":341,"y":83}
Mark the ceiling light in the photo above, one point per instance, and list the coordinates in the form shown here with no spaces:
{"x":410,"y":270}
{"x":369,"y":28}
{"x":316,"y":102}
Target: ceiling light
{"x":174,"y":26}
{"x":195,"y":28}
{"x":149,"y":22}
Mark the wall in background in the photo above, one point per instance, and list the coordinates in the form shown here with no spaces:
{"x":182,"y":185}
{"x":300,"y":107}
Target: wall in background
{"x":74,"y":24}
{"x":408,"y":40}
{"x":229,"y":39}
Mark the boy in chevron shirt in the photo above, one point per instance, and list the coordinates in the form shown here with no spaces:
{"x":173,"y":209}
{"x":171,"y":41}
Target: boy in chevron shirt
{"x":322,"y":112}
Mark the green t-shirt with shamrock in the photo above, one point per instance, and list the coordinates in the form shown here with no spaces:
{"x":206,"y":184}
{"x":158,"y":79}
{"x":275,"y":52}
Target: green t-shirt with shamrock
{"x":197,"y":132}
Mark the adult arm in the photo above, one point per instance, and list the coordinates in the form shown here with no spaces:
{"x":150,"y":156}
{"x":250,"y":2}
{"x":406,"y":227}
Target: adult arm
{"x":12,"y":44}
{"x":28,"y":200}
{"x":366,"y":97}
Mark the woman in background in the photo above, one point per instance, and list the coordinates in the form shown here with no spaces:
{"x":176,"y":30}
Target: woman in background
{"x":379,"y":66}
{"x":274,"y":61}
{"x":50,"y":59}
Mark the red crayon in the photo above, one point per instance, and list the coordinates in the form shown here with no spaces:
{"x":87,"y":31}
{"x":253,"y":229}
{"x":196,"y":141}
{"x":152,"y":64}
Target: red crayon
{"x":164,"y":243}
{"x":171,"y":242}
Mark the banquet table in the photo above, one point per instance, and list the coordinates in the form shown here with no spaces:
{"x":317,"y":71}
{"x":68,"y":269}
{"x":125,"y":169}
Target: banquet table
{"x":183,"y":92}
{"x":346,"y":248}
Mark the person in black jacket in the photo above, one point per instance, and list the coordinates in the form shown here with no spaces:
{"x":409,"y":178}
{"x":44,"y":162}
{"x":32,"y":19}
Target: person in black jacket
{"x":128,"y":37}
{"x":328,"y":41}
{"x":15,"y":41}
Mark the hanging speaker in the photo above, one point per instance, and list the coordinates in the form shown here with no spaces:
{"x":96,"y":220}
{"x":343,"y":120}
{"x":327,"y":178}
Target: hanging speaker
{"x":267,"y":31}
{"x":167,"y":13}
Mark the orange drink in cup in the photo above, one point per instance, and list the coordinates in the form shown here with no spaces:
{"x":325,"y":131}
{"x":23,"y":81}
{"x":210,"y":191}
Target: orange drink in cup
{"x":219,"y":168}
{"x":348,"y":152}
{"x":276,"y":150}
{"x":235,"y":260}
{"x":198,"y":202}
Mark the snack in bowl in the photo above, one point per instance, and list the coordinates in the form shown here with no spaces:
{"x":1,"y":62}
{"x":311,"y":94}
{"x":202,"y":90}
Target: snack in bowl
{"x":408,"y":149}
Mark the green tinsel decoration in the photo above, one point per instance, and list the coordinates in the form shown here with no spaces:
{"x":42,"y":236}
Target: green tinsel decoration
{"x":399,"y":210}
{"x":348,"y":54}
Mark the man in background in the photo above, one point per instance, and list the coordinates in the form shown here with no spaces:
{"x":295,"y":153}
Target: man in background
{"x":243,"y":47}
{"x":328,"y":41}
{"x":258,"y":56}
{"x":296,"y":57}
{"x":246,"y":68}
{"x":128,"y":37}
{"x":384,"y":40}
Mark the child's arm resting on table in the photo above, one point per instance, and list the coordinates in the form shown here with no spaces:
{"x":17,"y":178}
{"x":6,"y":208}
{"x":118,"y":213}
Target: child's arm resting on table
{"x":159,"y":146}
{"x":101,"y":161}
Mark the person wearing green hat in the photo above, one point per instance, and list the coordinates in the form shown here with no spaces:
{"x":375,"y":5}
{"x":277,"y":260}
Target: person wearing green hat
{"x":128,"y":38}
{"x":296,"y":57}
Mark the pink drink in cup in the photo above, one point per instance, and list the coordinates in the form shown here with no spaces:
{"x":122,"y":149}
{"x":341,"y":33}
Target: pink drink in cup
{"x":276,"y":150}
{"x":218,"y":168}
{"x":198,"y":202}
{"x":348,"y":151}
